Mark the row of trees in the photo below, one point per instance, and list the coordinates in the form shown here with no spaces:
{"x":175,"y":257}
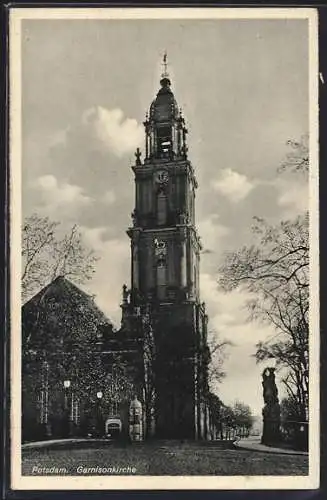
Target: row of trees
{"x":230,"y":421}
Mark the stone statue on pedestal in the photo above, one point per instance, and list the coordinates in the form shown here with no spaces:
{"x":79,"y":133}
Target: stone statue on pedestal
{"x":271,"y":410}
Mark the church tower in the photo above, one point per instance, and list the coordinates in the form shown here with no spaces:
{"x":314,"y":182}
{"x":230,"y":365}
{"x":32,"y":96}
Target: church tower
{"x":165,"y":259}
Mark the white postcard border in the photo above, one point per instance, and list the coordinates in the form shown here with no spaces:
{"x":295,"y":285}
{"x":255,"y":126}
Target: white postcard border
{"x":19,"y":482}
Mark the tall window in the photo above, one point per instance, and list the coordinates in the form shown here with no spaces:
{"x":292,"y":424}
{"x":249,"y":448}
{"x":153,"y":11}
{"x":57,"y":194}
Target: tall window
{"x":44,"y":394}
{"x":195,"y":280}
{"x":161,"y":270}
{"x":164,"y":141}
{"x":161,"y":280}
{"x":192,"y":202}
{"x":161,"y":208}
{"x":75,"y":411}
{"x":44,"y":407}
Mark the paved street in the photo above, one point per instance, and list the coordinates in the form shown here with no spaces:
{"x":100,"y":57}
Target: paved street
{"x":160,"y":459}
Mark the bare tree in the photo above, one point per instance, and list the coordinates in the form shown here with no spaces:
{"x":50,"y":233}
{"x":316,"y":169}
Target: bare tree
{"x":218,"y":353}
{"x":297,"y":160}
{"x":289,"y":409}
{"x":275,"y":270}
{"x":243,"y":418}
{"x":37,"y":240}
{"x":228,"y":424}
{"x":45,"y":255}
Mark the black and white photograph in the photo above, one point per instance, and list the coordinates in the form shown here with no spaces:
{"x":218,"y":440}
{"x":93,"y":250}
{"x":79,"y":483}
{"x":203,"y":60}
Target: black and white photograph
{"x":164,"y":248}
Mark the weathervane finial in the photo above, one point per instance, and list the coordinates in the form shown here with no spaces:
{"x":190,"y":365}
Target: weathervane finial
{"x":164,"y":65}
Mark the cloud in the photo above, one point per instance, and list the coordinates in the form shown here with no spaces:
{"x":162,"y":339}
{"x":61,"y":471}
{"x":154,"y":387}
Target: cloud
{"x":59,"y":138}
{"x":112,"y":269}
{"x":94,"y":237}
{"x":228,"y":319}
{"x":293,"y":197}
{"x":54,"y":196}
{"x":211,"y":232}
{"x":228,"y":313}
{"x":233,"y":185}
{"x":109,"y":197}
{"x":118,"y":134}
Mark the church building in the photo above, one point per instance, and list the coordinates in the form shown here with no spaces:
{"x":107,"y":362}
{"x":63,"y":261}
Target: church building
{"x":78,"y":371}
{"x":163,"y":302}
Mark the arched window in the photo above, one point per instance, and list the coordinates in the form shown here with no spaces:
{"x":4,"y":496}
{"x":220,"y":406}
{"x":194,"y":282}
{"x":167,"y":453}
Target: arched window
{"x":164,"y":137}
{"x":161,"y":280}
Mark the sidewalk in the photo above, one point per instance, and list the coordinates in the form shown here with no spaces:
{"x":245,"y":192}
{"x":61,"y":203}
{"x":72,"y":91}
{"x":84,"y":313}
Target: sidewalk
{"x":93,"y":442}
{"x":54,"y":443}
{"x":254,"y":444}
{"x":251,"y":443}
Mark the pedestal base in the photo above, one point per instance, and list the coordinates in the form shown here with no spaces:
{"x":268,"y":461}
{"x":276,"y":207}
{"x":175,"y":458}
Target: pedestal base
{"x":271,"y":432}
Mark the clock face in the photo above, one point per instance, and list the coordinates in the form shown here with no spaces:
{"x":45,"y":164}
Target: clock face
{"x":161,"y":176}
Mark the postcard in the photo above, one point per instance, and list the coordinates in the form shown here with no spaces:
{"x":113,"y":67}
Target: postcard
{"x":164,"y":248}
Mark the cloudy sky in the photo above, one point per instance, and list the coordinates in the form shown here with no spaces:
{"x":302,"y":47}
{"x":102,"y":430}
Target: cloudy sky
{"x":243,"y":86}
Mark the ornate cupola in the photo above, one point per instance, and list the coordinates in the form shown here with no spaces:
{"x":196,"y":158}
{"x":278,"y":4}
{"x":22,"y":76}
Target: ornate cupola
{"x":164,"y":125}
